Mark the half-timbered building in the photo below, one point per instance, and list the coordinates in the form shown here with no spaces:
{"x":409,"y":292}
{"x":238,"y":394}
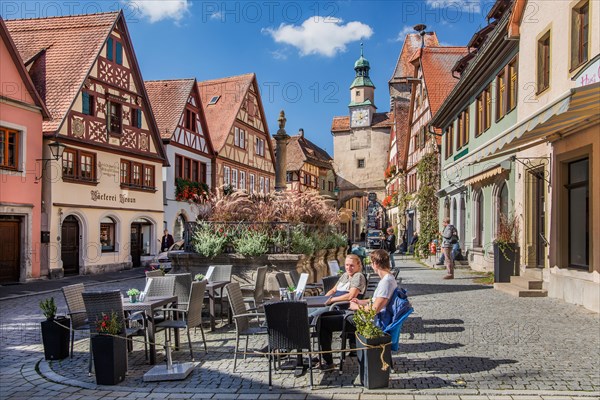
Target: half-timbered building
{"x":309,"y":167}
{"x":180,"y":119}
{"x":239,"y":133}
{"x":21,"y":113}
{"x":102,"y":203}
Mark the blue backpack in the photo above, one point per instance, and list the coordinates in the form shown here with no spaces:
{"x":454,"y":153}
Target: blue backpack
{"x":396,"y":307}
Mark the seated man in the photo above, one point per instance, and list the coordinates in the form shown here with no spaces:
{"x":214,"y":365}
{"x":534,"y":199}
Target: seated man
{"x":380,"y":260}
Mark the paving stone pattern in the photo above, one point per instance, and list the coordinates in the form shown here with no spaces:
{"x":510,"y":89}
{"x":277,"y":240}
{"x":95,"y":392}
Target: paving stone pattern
{"x":464,"y":340}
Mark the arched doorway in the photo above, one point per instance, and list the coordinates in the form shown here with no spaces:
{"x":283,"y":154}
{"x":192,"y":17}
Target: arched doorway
{"x":69,"y":245}
{"x":141,"y":237}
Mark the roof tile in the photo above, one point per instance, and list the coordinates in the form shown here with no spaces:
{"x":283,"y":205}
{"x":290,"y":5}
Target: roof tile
{"x":168,"y":99}
{"x":70,"y":46}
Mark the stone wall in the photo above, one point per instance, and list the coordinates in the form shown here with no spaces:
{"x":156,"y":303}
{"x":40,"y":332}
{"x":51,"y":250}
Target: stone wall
{"x":244,"y":268}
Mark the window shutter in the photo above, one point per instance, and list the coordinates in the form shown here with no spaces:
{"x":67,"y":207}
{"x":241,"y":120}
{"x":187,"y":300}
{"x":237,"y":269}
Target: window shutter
{"x":139,"y":118}
{"x":540,"y":66}
{"x":85,"y":107}
{"x":575,"y":30}
{"x":119,"y":53}
{"x":109,"y":49}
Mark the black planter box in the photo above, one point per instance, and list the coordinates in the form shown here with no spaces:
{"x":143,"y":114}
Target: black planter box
{"x":110,"y":359}
{"x":371,"y":375}
{"x":505,"y":260}
{"x":55,"y":336}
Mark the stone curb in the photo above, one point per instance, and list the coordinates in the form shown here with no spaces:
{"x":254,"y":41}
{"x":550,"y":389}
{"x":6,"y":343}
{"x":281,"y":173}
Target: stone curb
{"x":46,"y":372}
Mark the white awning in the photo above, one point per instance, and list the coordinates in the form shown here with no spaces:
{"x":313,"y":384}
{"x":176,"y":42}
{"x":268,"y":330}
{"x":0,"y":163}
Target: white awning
{"x":577,"y":110}
{"x":490,"y":173}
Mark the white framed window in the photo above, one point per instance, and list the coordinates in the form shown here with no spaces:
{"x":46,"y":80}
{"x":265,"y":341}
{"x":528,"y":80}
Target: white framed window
{"x":260,"y":147}
{"x":267,"y":185}
{"x":252,"y":183}
{"x":242,"y":139}
{"x":234,"y":178}
{"x":226,"y":178}
{"x":243,"y":180}
{"x":261,"y":185}
{"x":236,"y":136}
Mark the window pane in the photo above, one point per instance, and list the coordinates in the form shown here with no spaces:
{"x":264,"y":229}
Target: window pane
{"x":578,"y":171}
{"x":107,"y":236}
{"x":124,"y":172}
{"x":137,"y":175}
{"x":578,"y":222}
{"x":3,"y":156}
{"x":148,"y":176}
{"x":11,"y":159}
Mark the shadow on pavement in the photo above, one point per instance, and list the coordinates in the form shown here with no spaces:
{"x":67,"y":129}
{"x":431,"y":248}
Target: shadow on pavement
{"x":422,"y":289}
{"x":451,"y":365}
{"x":426,"y":347}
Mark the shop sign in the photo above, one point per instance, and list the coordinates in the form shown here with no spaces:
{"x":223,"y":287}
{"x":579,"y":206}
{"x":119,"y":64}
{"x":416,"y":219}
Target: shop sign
{"x":96,"y":196}
{"x":589,"y":75}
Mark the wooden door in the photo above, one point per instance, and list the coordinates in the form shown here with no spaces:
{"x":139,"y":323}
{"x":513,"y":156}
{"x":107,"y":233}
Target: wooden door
{"x":10,"y":251}
{"x":136,"y":244}
{"x":540,"y":223}
{"x":70,"y":245}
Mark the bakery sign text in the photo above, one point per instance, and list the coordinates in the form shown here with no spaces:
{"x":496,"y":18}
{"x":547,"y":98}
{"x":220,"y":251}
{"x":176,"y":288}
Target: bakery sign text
{"x":121,"y":198}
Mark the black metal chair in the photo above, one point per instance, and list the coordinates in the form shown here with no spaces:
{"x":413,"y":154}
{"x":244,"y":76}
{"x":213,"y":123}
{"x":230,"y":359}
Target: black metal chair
{"x":288,"y":329}
{"x":281,"y":280}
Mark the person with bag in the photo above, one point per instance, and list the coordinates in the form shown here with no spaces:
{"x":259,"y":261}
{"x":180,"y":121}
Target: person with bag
{"x":449,"y":238}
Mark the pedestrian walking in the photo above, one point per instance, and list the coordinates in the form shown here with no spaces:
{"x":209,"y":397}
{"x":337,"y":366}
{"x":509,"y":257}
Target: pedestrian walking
{"x":166,"y":241}
{"x":449,"y":238}
{"x":390,"y":245}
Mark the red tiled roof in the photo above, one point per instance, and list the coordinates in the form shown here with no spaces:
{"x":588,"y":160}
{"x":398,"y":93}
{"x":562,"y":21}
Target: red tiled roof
{"x":220,"y":116}
{"x":18,"y":62}
{"x":301,"y":150}
{"x":437,"y":63}
{"x":380,"y":120}
{"x":70,"y":46}
{"x":402,"y":128}
{"x":168,"y":99}
{"x":411,"y":43}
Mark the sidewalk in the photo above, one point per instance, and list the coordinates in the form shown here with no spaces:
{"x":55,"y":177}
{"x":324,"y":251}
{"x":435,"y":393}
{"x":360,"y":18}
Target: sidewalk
{"x":465,"y":341}
{"x":43,"y":286}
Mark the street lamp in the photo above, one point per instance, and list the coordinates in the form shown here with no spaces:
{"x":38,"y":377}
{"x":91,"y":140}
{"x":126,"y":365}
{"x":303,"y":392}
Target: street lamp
{"x":56,"y":149}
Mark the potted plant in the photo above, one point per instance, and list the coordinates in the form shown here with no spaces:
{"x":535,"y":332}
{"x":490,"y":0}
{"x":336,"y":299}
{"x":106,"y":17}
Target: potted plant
{"x":505,"y":248}
{"x":199,"y":277}
{"x":291,"y":294}
{"x":133,"y":294}
{"x":370,"y":343}
{"x":55,"y":332}
{"x":109,"y":348}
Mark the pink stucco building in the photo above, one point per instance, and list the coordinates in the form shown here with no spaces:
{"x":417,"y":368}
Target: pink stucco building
{"x":21,"y":113}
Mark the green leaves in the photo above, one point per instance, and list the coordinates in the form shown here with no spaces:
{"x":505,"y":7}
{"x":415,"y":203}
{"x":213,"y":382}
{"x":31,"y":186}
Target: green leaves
{"x":364,"y":319}
{"x":48,"y":308}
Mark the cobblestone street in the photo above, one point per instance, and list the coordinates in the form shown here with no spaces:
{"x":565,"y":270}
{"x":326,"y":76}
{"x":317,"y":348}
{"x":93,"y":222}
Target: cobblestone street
{"x":464,"y":340}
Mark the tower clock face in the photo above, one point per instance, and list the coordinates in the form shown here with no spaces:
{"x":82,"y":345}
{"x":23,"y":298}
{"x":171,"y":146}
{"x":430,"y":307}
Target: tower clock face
{"x":360,"y":117}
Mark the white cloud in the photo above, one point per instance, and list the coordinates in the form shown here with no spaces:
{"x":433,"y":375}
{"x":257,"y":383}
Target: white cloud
{"x":402,"y":34}
{"x":473,"y":6}
{"x":157,"y":10}
{"x":279,"y":55}
{"x":216,"y":15}
{"x":320,"y":35}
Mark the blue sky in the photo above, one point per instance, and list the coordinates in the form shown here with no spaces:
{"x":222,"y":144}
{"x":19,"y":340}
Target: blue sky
{"x":303,"y":52}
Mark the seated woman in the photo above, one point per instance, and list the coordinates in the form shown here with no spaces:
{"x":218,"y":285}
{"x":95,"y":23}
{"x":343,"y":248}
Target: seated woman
{"x":351,"y":284}
{"x":380,"y":260}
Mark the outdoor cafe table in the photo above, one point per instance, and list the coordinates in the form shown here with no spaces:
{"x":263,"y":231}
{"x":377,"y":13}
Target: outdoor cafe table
{"x":149,"y":306}
{"x":211,"y":288}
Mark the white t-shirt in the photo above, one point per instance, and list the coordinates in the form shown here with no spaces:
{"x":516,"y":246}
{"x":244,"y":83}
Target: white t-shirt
{"x":385,"y":288}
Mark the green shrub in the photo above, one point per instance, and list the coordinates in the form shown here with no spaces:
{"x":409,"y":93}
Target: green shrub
{"x":48,"y":308}
{"x":364,"y":319}
{"x":302,"y":242}
{"x":251,"y":243}
{"x":209,"y":242}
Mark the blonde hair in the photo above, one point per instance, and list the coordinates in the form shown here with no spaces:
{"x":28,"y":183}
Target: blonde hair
{"x":357,"y":260}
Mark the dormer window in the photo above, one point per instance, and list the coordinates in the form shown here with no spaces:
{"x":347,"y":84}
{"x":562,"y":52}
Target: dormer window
{"x":214,"y":100}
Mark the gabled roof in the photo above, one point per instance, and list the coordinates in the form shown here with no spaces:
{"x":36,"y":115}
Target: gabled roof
{"x":402,"y":129}
{"x":168,"y":99}
{"x":221,"y":115}
{"x":18,"y":62}
{"x":300,"y":150}
{"x":437,"y":63}
{"x":70,"y":46}
{"x":411,"y":43}
{"x":380,"y":120}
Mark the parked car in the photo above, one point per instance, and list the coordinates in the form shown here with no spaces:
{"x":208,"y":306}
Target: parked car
{"x":375,"y":239}
{"x":163,"y":261}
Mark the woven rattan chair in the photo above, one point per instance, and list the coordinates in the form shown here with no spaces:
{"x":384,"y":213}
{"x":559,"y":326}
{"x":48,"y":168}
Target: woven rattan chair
{"x":192,"y":315}
{"x":221,"y":273}
{"x":183,"y":286}
{"x":161,"y":286}
{"x":76,"y":308}
{"x":288,"y":330}
{"x":242,"y":318}
{"x":329,"y":283}
{"x":98,"y":303}
{"x":258,"y":295}
{"x":154,"y":273}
